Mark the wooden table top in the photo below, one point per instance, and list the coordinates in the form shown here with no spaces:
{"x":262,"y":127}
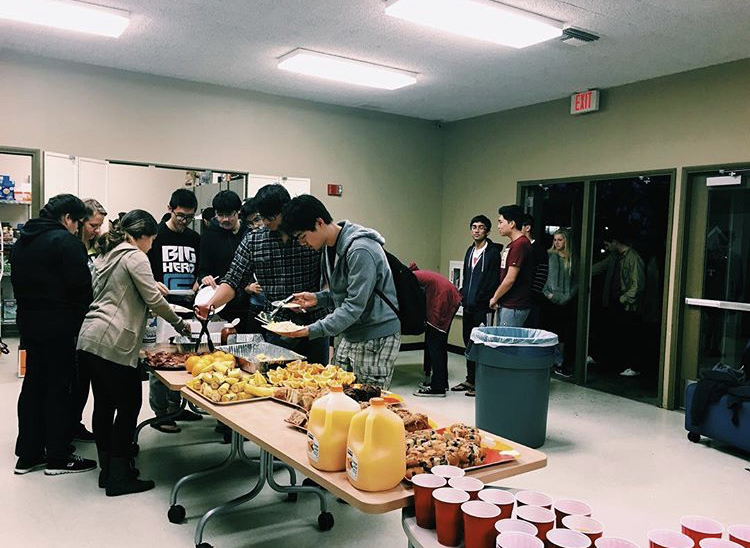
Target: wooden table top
{"x":174,"y":380}
{"x":262,"y":422}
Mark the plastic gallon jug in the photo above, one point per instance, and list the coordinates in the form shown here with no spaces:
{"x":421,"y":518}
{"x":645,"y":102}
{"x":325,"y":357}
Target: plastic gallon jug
{"x":327,"y":430}
{"x":376,"y":448}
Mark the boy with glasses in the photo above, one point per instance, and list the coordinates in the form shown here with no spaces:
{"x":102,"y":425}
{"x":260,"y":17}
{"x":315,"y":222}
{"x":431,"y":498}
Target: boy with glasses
{"x":219,"y":242}
{"x":174,"y":261}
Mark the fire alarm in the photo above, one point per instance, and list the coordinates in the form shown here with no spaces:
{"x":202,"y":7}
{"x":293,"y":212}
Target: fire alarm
{"x":335,"y":190}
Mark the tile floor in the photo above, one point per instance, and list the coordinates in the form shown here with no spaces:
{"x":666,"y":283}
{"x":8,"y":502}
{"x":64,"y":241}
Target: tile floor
{"x":630,"y":461}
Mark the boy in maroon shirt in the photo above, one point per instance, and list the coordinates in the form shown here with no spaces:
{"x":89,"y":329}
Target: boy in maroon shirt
{"x":513,"y":295}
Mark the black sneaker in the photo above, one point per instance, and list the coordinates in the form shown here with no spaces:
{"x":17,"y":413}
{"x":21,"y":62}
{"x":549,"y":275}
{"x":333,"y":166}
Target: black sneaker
{"x":423,"y":384}
{"x":187,"y":415}
{"x":429,"y":393}
{"x":471,"y":393}
{"x":81,"y":434}
{"x":72,"y":465}
{"x":24,"y":466}
{"x":559,"y":371}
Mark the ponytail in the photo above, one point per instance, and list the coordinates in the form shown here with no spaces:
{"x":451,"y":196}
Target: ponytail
{"x":136,"y":224}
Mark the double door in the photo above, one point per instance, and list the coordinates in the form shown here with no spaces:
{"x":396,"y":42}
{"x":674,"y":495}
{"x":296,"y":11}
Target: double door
{"x":715,"y":301}
{"x":604,"y":338}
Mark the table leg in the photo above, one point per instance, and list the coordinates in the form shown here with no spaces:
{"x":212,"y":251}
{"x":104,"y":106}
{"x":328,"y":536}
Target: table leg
{"x":276,"y":464}
{"x":325,"y":518}
{"x":141,"y":426}
{"x":234,"y":502}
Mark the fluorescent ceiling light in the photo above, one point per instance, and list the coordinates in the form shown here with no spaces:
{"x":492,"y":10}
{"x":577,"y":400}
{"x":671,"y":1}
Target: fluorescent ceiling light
{"x":342,"y":69}
{"x":68,"y":15}
{"x":480,"y":19}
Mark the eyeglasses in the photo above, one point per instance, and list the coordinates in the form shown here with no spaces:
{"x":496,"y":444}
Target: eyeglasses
{"x":185,"y":218}
{"x":226,"y":215}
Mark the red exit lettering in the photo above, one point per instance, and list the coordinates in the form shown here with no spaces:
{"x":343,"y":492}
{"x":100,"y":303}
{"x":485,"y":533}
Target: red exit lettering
{"x":583,"y":101}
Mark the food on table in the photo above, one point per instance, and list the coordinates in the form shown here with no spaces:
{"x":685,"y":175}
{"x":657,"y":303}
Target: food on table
{"x":217,"y":378}
{"x":301,"y":374}
{"x":283,"y":327}
{"x":413,"y":421}
{"x":363,"y":392}
{"x":301,"y":397}
{"x":458,"y":445}
{"x":376,"y":461}
{"x":168,"y":360}
{"x":327,"y":430}
{"x":297,"y":418}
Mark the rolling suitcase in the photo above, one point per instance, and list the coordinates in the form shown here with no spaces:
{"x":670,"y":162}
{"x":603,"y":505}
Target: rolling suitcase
{"x":717,"y":423}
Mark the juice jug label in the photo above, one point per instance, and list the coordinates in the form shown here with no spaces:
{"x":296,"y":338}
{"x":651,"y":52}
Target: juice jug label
{"x":352,"y":464}
{"x":313,"y":447}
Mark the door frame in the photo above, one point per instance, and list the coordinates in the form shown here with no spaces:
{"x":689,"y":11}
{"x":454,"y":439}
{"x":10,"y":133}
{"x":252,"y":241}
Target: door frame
{"x":682,"y":251}
{"x":36,"y":174}
{"x":665,"y":391}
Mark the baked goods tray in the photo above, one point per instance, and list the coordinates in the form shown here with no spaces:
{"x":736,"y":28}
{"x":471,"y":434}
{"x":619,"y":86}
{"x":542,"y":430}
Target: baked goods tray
{"x":258,"y":356}
{"x":236,"y":402}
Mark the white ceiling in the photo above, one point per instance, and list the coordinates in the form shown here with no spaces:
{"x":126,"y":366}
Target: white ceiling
{"x":236,"y":43}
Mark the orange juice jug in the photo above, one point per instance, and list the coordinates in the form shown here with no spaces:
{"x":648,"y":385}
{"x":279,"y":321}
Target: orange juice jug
{"x":327,"y":429}
{"x":376,"y":448}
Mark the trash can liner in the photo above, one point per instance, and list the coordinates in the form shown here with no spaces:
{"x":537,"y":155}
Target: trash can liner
{"x":512,"y":336}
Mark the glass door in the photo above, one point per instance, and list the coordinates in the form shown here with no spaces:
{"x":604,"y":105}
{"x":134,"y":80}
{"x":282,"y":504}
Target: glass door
{"x":716,"y":312}
{"x":558,"y":212}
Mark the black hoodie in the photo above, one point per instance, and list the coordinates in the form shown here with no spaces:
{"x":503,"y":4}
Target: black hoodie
{"x":51,"y":281}
{"x":481,"y":281}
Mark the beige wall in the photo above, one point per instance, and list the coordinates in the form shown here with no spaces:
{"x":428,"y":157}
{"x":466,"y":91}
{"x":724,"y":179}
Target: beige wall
{"x":700,"y":117}
{"x":390,"y":166}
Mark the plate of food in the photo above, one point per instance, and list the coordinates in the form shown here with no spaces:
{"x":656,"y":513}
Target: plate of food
{"x":365,"y":392}
{"x":457,"y":445}
{"x":167,"y":361}
{"x":282,"y":328}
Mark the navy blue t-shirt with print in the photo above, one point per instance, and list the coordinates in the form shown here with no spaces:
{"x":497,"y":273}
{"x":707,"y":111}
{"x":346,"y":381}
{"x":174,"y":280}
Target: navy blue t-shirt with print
{"x":174,"y":257}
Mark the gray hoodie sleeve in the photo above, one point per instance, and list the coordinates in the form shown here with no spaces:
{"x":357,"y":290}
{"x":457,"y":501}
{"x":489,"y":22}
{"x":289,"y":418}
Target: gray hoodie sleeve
{"x":143,"y":279}
{"x":360,"y":287}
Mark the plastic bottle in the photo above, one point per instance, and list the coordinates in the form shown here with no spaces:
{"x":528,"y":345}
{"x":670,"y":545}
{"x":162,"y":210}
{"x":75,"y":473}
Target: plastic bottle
{"x":327,"y":430}
{"x":376,"y":448}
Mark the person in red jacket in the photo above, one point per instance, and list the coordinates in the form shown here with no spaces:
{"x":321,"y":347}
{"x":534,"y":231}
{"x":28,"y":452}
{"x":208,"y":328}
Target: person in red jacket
{"x":442,"y":299}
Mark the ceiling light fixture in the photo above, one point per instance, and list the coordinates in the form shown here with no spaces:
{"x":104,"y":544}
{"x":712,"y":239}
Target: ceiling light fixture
{"x":481,"y":19}
{"x":342,"y":69}
{"x":68,"y":15}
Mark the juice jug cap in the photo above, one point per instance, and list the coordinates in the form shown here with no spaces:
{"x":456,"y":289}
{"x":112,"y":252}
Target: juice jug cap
{"x":336,"y":388}
{"x":377,"y":402}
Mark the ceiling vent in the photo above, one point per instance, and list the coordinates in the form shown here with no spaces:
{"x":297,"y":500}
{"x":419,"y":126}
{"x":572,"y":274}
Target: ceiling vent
{"x":578,"y":37}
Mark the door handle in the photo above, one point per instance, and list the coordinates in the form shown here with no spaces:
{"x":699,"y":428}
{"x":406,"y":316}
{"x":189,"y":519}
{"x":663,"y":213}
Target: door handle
{"x":723,"y":305}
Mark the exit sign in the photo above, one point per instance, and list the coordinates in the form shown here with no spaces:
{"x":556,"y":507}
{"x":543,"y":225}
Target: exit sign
{"x":585,"y":101}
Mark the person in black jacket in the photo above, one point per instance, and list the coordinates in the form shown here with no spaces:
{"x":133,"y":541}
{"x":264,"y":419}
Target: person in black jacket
{"x":481,"y":278}
{"x":52,"y":284}
{"x":219,"y":241}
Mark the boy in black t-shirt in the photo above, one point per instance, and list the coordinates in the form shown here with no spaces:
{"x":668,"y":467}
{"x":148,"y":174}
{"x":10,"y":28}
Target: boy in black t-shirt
{"x":174,"y":262}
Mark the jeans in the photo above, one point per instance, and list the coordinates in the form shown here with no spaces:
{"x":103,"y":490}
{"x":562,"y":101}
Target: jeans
{"x":45,"y":402}
{"x":161,"y":399}
{"x":117,"y":402}
{"x":513,"y":317}
{"x":436,"y":357}
{"x":470,"y":321}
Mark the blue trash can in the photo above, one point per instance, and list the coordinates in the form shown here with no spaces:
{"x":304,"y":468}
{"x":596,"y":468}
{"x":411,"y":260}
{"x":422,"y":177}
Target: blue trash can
{"x":512,"y":381}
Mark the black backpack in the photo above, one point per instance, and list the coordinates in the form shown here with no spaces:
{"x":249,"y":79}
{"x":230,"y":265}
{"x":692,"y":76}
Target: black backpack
{"x":412,"y":306}
{"x":411,"y":300}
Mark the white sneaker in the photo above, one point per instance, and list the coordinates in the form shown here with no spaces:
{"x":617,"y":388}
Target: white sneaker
{"x":590,"y":360}
{"x":629,"y":373}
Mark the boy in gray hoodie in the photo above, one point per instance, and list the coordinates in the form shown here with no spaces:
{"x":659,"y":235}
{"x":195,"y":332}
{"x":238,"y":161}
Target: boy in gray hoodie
{"x":355,"y":269}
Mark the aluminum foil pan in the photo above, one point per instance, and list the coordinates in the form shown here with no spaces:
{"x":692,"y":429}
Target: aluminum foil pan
{"x":260,"y":356}
{"x":187,"y":344}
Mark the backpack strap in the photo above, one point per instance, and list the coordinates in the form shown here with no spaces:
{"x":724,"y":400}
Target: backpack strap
{"x":377,"y":291}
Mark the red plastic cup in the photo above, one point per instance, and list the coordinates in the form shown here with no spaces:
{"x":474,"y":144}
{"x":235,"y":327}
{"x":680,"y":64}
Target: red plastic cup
{"x":424,"y":508}
{"x":583,"y":524}
{"x":534,"y":498}
{"x":567,"y":538}
{"x":713,"y":542}
{"x":570,"y":507}
{"x":502,"y":499}
{"x":515,"y":526}
{"x":699,"y":527}
{"x":542,"y":518}
{"x":664,"y":538}
{"x":470,"y":485}
{"x":479,"y":523}
{"x":740,"y":534}
{"x":447,"y":471}
{"x":515,"y":539}
{"x":614,"y":542}
{"x":449,"y":521}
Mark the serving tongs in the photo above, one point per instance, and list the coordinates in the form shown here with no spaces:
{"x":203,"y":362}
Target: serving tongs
{"x":267,"y":317}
